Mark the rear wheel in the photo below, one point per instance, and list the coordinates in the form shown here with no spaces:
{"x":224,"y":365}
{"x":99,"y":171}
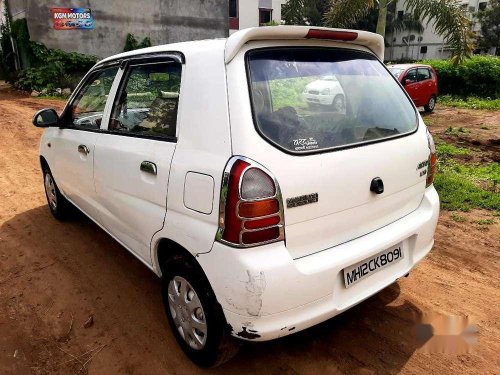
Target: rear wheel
{"x":194,"y":315}
{"x":431,"y":105}
{"x":59,"y":206}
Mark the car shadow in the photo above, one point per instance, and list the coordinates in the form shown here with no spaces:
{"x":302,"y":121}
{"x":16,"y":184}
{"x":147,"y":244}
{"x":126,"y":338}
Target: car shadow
{"x":376,"y":336}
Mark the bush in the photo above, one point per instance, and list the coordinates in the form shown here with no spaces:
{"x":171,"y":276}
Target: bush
{"x":53,"y":68}
{"x":477,"y":76}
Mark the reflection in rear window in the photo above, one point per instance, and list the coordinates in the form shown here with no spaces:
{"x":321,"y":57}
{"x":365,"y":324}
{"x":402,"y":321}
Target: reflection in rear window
{"x":312,"y":99}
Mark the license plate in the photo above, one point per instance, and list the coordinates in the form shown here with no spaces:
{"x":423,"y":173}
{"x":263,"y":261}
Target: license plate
{"x":369,"y":266}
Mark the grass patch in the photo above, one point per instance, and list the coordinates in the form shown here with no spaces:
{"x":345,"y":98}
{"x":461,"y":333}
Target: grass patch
{"x":471,"y":102}
{"x":485,"y":221}
{"x":456,"y":131}
{"x":458,"y":218}
{"x":460,"y":194}
{"x":445,"y":150}
{"x":464,"y":186}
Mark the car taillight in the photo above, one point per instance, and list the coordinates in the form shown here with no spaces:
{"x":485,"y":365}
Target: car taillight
{"x":251,"y":211}
{"x":431,"y":165}
{"x":331,"y":34}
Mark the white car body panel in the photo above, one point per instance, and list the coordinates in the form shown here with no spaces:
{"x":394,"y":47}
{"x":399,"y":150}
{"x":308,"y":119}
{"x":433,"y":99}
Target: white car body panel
{"x":265,"y":291}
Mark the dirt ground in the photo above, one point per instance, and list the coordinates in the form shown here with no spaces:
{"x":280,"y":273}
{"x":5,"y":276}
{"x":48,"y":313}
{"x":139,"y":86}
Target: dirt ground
{"x":54,"y":275}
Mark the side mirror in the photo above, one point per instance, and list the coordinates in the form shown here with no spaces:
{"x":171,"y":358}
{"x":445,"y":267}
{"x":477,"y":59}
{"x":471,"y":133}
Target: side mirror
{"x":407,"y":81}
{"x":45,"y":118}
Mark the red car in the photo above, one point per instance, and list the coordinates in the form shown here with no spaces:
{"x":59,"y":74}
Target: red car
{"x":419,"y":81}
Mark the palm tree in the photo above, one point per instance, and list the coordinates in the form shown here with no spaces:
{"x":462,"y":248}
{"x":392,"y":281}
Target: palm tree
{"x":447,"y":17}
{"x":407,"y":23}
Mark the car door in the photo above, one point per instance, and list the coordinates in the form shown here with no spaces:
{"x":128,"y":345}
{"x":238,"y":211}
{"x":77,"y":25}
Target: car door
{"x":132,"y":160}
{"x":74,"y":141}
{"x":425,"y":84}
{"x":411,"y":85}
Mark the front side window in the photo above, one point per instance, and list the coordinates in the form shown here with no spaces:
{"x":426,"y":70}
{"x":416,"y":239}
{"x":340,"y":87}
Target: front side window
{"x":88,"y":106}
{"x":411,"y":75}
{"x":148,"y":100}
{"x":313,"y":99}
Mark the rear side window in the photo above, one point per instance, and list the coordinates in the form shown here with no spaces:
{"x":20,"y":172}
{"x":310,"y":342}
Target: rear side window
{"x":423,"y":74}
{"x":312,"y":99}
{"x":147,"y":101}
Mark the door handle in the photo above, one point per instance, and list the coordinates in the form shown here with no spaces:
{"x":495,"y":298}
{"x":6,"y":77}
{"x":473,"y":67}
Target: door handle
{"x":149,"y":167}
{"x":83,"y":149}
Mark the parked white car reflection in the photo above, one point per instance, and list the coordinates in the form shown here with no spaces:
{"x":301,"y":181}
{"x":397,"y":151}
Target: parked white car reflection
{"x":326,"y":91}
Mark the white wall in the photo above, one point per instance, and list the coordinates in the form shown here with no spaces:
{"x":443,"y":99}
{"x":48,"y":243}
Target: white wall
{"x":436,"y":48}
{"x":248,"y":12}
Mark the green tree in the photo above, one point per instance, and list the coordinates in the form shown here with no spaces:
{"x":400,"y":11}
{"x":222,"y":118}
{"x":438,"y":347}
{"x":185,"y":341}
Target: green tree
{"x":131,"y":43}
{"x":490,"y":27}
{"x":447,"y":16}
{"x":304,"y":12}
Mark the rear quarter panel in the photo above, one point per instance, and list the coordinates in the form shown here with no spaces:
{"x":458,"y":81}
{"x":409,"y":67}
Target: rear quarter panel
{"x":203,"y":147}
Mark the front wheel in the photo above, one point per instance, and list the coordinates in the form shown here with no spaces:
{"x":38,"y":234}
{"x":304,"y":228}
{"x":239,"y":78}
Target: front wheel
{"x":59,"y":206}
{"x":431,"y":105}
{"x":194,"y":315}
{"x":338,"y":103}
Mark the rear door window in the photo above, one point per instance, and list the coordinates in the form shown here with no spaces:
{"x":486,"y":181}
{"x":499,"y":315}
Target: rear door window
{"x":147,"y":102}
{"x":314,"y":99}
{"x":423,"y":74}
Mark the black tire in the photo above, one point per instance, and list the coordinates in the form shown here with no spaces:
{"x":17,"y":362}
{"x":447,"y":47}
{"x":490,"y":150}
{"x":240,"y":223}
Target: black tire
{"x":59,"y":206}
{"x":429,"y":107}
{"x":219,"y":347}
{"x":338,"y":103}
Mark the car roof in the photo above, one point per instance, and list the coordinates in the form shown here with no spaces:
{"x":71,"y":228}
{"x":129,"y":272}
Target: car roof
{"x":235,"y":42}
{"x":408,"y":66}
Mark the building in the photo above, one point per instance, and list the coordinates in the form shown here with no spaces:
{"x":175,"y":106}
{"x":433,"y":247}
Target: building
{"x":252,"y":13}
{"x":162,"y":21}
{"x":409,"y":45}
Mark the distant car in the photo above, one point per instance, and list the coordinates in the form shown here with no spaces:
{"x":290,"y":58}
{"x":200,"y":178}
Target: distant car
{"x":419,"y":81}
{"x":326,"y":91}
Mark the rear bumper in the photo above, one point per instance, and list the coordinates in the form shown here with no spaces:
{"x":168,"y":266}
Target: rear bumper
{"x":265,"y":294}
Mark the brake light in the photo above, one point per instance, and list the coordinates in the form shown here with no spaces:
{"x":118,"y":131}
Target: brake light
{"x":331,"y":34}
{"x":431,"y":165}
{"x":251,"y":211}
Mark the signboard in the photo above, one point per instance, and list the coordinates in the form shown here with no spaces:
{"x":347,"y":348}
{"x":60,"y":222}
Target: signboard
{"x":72,"y":18}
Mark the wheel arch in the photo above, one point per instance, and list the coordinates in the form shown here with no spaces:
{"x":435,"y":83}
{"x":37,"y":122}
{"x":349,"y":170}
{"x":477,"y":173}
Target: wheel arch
{"x":166,"y":249}
{"x":44,"y":163}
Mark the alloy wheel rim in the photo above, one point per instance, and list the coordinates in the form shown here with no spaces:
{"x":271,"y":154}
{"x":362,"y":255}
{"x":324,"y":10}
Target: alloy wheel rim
{"x":187,"y":312}
{"x":338,"y":104}
{"x":50,"y":190}
{"x":432,"y":103}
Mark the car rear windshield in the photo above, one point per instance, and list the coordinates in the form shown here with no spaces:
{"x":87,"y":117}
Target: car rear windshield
{"x":308,"y":100}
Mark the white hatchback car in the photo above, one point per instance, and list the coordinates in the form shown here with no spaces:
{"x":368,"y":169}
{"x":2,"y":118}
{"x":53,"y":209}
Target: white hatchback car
{"x":261,"y":217}
{"x":326,"y":91}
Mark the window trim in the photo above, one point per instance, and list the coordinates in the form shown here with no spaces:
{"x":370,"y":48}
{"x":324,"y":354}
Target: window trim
{"x":126,"y":67}
{"x":329,"y":149}
{"x":122,"y":63}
